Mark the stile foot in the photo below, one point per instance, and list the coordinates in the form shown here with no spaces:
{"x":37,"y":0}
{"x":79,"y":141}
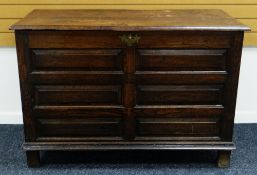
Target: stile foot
{"x":33,"y":159}
{"x":224,"y":159}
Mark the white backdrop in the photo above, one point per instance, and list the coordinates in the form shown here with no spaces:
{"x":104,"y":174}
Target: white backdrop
{"x":10,"y":103}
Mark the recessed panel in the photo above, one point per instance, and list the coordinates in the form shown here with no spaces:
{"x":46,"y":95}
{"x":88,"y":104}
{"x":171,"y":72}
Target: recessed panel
{"x":180,"y":59}
{"x":74,"y":39}
{"x":177,"y":127}
{"x":79,"y":112}
{"x":180,"y":77}
{"x":178,"y":111}
{"x":77,"y":95}
{"x":94,"y":127}
{"x":179,"y":95}
{"x":77,"y":59}
{"x":185,"y":40}
{"x":77,"y":77}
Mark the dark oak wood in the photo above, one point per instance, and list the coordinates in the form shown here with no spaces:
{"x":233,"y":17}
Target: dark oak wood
{"x":77,"y":95}
{"x":129,"y":91}
{"x":90,"y":127}
{"x":181,"y":111}
{"x":86,"y":59}
{"x":111,"y":39}
{"x":180,"y":77}
{"x":172,"y":60}
{"x":155,"y":80}
{"x":33,"y":158}
{"x":177,"y":127}
{"x":179,"y":95}
{"x":78,"y":111}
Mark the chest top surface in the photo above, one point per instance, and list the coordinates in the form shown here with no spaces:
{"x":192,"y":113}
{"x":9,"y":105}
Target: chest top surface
{"x":129,"y":20}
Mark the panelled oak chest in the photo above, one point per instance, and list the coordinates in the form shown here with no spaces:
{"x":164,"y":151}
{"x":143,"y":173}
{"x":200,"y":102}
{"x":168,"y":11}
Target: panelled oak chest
{"x":128,"y":80}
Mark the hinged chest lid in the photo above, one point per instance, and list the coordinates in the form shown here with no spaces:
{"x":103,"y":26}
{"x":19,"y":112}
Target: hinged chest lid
{"x":129,"y":20}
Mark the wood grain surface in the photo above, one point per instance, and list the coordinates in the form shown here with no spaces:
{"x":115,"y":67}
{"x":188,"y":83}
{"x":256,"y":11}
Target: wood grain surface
{"x":128,"y":20}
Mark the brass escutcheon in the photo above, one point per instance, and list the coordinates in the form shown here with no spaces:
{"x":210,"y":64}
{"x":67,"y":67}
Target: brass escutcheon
{"x":130,"y":40}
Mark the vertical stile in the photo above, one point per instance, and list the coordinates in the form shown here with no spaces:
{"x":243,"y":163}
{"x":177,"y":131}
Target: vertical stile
{"x":129,"y":93}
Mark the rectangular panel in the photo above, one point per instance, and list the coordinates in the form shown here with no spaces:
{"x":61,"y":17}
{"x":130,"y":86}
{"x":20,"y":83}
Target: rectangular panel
{"x":77,"y":95}
{"x":90,"y":59}
{"x":177,"y":127}
{"x":185,"y":40}
{"x":180,"y":77}
{"x":101,"y":127}
{"x":179,"y":95}
{"x":77,"y":77}
{"x":74,"y":39}
{"x":178,"y":111}
{"x":180,"y":59}
{"x":79,"y":112}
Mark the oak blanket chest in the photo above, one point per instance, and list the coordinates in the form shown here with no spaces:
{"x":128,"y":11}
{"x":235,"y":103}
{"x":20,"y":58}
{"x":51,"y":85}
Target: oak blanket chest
{"x":128,"y":80}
